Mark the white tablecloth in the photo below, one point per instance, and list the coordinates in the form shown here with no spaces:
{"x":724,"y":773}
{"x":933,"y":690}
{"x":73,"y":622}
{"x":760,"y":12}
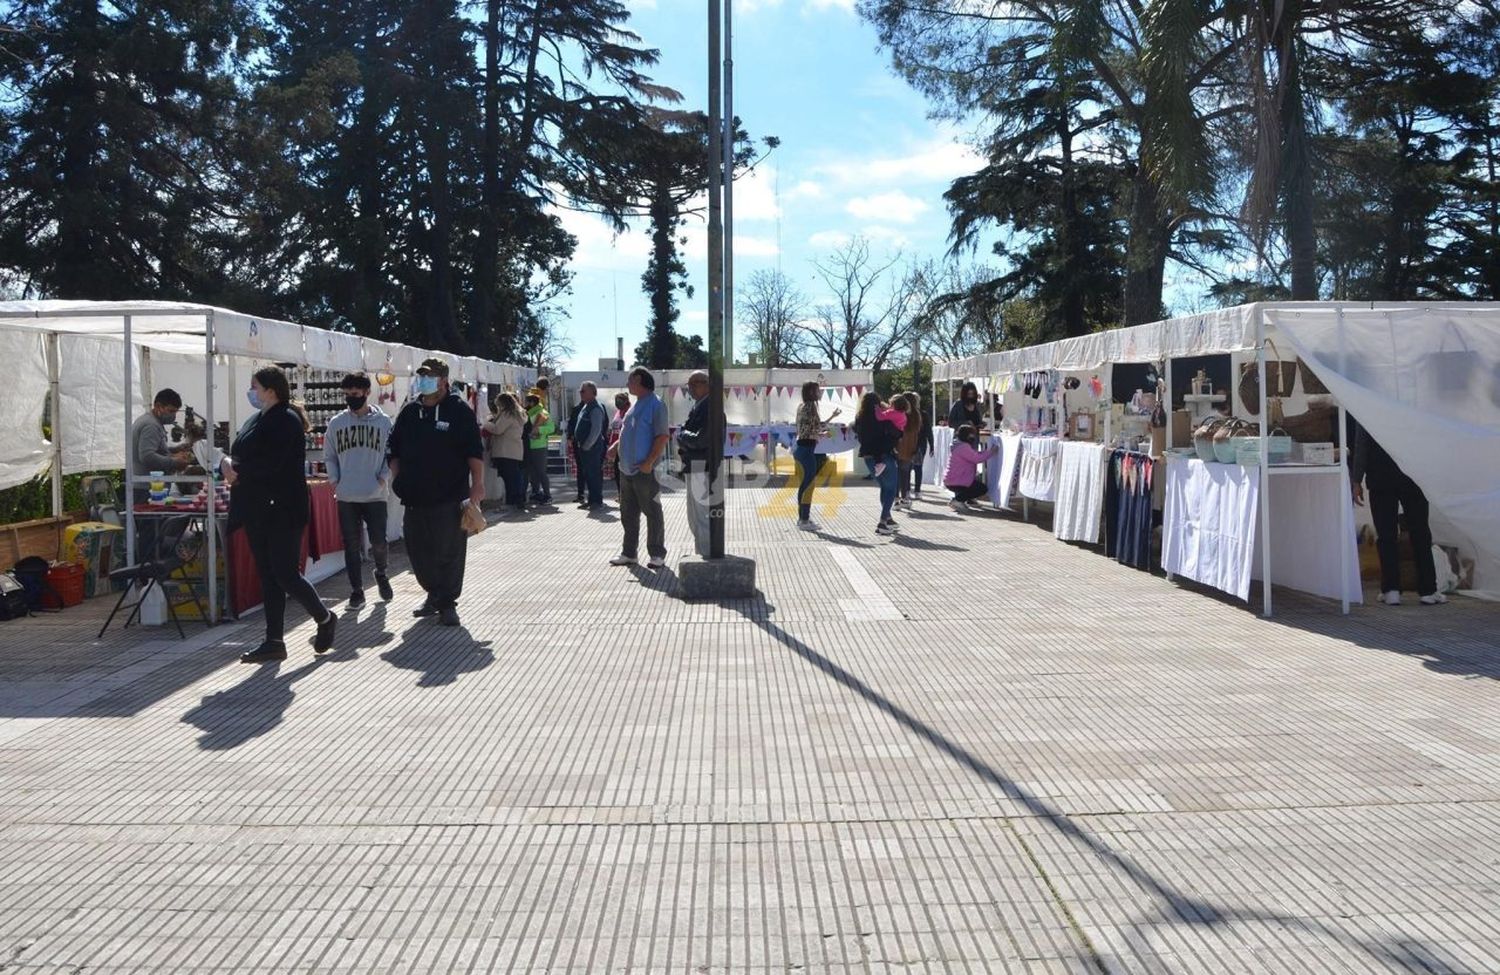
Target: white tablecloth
{"x":1002,"y":469}
{"x":936,"y":464}
{"x":1039,"y":463}
{"x":1210,"y":528}
{"x":1080,"y":492}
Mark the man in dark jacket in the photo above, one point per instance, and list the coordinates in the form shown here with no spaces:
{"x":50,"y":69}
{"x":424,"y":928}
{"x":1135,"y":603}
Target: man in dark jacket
{"x":437,"y":466}
{"x":693,"y":447}
{"x":587,"y":432}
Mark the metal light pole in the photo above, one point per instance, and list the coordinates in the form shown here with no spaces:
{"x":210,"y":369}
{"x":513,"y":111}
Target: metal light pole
{"x":728,"y":130}
{"x":716,"y":265}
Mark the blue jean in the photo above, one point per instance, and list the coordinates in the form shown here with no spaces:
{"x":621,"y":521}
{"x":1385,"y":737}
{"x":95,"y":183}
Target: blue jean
{"x":887,"y":481}
{"x":591,"y":472}
{"x":809,"y":465}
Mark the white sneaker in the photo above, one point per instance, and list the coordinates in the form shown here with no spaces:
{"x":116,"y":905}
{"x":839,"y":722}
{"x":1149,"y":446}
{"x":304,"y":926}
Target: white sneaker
{"x":1392,"y":598}
{"x":807,"y":526}
{"x":1436,"y":599}
{"x":885,"y":530}
{"x":656,"y":562}
{"x":623,"y":560}
{"x":957,"y":506}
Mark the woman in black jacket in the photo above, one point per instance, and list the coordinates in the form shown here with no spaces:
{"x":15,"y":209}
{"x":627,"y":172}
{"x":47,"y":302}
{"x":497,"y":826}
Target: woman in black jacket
{"x":876,"y":429}
{"x":270,"y":502}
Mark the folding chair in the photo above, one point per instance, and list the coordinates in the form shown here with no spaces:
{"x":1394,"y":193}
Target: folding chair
{"x":172,"y":553}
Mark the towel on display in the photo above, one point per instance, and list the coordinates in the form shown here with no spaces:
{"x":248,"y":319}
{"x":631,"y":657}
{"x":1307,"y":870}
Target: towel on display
{"x":1208,"y":523}
{"x":1080,"y":492}
{"x":1003,"y":470}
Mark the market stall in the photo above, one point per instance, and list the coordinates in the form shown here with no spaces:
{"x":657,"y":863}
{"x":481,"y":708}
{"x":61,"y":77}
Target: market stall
{"x":1421,"y":377}
{"x":90,"y":368}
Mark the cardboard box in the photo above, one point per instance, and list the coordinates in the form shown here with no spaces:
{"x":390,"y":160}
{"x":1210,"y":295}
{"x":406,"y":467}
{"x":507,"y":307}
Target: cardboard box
{"x":97,"y":546}
{"x":1182,"y":429}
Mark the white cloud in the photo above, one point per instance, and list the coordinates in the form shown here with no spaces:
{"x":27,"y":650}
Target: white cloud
{"x":820,"y":5}
{"x":805,"y":190}
{"x":754,"y":246}
{"x":599,"y":247}
{"x":755,"y":195}
{"x":894,"y":206}
{"x":830,"y":239}
{"x":940,"y":160}
{"x":892,"y":238}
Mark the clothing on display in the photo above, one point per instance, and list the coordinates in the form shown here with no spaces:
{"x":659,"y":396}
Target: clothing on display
{"x":1080,"y":492}
{"x":1208,"y":524}
{"x":1004,"y":470}
{"x":1039,"y":461}
{"x":1127,"y":508}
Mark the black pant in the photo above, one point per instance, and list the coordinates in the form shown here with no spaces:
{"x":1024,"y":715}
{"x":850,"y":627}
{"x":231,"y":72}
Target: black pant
{"x":537,"y":481}
{"x":437,"y":547}
{"x":277,"y":550}
{"x":354,"y":516}
{"x":1386,"y":496}
{"x":975,"y":490}
{"x":514,"y":479}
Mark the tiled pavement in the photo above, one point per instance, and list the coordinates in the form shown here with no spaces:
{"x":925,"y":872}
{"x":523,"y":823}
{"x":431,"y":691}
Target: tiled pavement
{"x":968,"y":749}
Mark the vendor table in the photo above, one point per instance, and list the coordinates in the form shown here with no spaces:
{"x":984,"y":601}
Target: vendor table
{"x":321,"y":537}
{"x":1211,"y":519}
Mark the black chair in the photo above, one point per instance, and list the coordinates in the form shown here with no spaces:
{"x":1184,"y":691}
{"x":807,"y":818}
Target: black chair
{"x":173,"y":550}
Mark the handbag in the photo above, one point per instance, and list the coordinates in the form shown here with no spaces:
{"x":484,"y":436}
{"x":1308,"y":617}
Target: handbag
{"x":1311,"y":384}
{"x":1281,"y":374}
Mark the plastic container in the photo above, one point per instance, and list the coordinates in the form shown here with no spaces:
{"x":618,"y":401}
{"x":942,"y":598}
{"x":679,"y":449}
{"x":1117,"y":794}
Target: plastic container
{"x":66,"y":580}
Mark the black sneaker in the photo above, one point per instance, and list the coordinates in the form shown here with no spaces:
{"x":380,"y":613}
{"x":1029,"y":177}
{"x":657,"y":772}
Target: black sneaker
{"x":323,"y":640}
{"x":448,"y":616}
{"x":265,"y":653}
{"x":425,"y":610}
{"x":384,"y":585}
{"x":357,"y":599}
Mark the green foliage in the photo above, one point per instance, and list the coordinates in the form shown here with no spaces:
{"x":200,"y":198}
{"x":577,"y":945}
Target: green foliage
{"x":688,"y":353}
{"x":32,"y":500}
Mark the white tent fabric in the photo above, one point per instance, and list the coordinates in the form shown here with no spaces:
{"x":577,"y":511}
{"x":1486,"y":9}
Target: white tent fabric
{"x":92,"y":386}
{"x":261,"y":338}
{"x":343,"y":351}
{"x":1425,"y":382}
{"x":24,"y":452}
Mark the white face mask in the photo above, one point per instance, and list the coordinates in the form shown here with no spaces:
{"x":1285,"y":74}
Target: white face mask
{"x":253,"y":395}
{"x":427,"y":385}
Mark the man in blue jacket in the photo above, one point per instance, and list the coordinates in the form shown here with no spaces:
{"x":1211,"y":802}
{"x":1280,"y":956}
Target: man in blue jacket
{"x":587,"y":433}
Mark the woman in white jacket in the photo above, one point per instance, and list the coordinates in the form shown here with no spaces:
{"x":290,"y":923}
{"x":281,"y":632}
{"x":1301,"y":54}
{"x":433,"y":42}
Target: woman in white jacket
{"x":504,"y":428}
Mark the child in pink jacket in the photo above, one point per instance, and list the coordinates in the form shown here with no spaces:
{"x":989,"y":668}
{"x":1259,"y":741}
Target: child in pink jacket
{"x":964,"y":461}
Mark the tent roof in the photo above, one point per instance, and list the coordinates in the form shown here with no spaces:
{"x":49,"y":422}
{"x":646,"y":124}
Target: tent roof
{"x":1209,"y":333}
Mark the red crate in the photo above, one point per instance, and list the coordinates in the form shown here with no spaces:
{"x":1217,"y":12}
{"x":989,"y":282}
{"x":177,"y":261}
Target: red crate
{"x":66,"y":581}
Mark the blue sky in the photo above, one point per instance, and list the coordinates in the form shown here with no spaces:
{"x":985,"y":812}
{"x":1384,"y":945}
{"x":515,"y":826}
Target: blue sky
{"x":858,"y":156}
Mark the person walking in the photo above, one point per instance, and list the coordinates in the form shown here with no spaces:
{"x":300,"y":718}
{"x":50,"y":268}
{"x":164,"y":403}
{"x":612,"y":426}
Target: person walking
{"x":268,"y":498}
{"x":643,"y":438}
{"x":964,"y":463}
{"x":810,"y":428}
{"x":693,"y":447}
{"x":537,"y":481}
{"x":437,"y":466}
{"x":876,"y":427}
{"x":588,"y":436}
{"x":924,"y":445}
{"x":507,"y":449}
{"x":622,"y":406}
{"x":354,"y":448}
{"x":906,"y":447}
{"x":1392,"y":494}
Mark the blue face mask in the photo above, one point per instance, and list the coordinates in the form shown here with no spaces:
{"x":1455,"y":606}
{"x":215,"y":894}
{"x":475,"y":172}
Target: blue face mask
{"x":427,"y":385}
{"x":253,"y":397}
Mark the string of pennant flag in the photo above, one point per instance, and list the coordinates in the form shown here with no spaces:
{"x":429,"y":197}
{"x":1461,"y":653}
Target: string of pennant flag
{"x":741,"y":392}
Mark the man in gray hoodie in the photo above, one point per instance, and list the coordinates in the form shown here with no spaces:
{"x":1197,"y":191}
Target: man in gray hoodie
{"x":354,"y":447}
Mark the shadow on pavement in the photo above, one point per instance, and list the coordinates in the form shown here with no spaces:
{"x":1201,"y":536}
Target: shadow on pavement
{"x":1176,"y":906}
{"x":439,"y":653}
{"x":249,"y":709}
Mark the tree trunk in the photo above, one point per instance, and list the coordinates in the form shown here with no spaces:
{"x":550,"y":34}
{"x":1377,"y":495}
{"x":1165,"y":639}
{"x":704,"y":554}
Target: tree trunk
{"x":1146,"y":253}
{"x":1073,"y":297}
{"x":1301,"y":232}
{"x":659,"y":276}
{"x":370,"y":243}
{"x":79,"y":264}
{"x":487,"y":246}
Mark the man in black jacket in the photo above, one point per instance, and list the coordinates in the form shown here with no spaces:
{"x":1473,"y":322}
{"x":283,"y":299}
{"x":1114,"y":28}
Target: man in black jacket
{"x":693,"y":447}
{"x":1391,"y":490}
{"x":437,"y":466}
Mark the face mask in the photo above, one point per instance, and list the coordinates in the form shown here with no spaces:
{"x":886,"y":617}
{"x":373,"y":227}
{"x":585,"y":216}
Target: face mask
{"x":253,"y":397}
{"x":427,"y":385}
{"x":355,"y":402}
{"x":169,"y":419}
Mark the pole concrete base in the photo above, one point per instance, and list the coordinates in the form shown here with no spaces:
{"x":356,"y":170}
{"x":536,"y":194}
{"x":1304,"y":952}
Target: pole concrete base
{"x":731,"y":577}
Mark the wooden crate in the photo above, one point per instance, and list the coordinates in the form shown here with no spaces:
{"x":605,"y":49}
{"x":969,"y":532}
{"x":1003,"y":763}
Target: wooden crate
{"x":41,"y":536}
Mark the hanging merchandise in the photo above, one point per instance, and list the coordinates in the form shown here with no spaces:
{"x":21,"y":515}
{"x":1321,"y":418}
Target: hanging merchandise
{"x":1127,"y":509}
{"x":1096,"y":386}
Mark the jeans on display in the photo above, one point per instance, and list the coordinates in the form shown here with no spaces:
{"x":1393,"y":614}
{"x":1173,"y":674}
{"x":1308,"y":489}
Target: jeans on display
{"x":277,"y":549}
{"x":1385,"y":498}
{"x":640,"y":494}
{"x":437,"y":547}
{"x":809,"y":466}
{"x":591,"y":473}
{"x":886,"y":478}
{"x":369,"y":516}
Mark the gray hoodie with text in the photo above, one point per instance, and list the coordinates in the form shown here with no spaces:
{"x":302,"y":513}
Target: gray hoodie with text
{"x":354,"y":448}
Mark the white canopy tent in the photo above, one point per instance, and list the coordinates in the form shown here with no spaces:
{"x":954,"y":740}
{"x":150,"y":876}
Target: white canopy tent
{"x":97,"y":364}
{"x":1422,"y":377}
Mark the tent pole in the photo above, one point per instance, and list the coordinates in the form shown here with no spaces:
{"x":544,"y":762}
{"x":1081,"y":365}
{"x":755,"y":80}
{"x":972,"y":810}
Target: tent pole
{"x":1167,"y":406}
{"x":54,"y":373}
{"x":1346,"y":500}
{"x":129,"y":455}
{"x":211,"y":517}
{"x":1265,"y":469}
